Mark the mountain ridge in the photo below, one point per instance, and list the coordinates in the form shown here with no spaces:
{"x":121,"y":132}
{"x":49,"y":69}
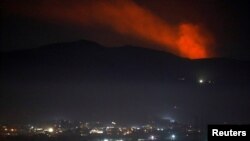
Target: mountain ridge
{"x":74,"y":76}
{"x":81,"y":43}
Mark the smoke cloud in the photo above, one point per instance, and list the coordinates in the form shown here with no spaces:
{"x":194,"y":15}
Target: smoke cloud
{"x":125,"y":17}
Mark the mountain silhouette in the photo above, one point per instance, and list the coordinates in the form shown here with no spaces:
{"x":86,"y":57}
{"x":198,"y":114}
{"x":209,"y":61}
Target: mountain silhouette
{"x":122,"y":82}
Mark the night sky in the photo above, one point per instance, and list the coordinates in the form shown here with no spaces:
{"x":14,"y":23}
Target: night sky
{"x":125,"y":60}
{"x":226,"y":21}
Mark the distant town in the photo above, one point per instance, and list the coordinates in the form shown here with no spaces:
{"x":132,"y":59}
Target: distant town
{"x":168,"y":130}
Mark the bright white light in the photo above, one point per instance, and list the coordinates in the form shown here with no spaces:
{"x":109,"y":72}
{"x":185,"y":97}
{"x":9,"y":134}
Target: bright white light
{"x":201,"y":81}
{"x":152,"y":137}
{"x":50,"y":130}
{"x":105,"y":140}
{"x":173,"y":136}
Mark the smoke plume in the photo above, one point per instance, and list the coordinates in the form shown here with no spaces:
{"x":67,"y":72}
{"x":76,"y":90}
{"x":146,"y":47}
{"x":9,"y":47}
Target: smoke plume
{"x":125,"y":17}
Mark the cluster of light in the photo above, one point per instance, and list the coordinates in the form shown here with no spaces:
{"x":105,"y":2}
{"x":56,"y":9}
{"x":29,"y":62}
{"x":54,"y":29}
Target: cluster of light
{"x":135,"y":128}
{"x":127,"y":133}
{"x":109,"y":127}
{"x":112,"y":140}
{"x":38,"y":129}
{"x":50,"y":130}
{"x":160,"y":129}
{"x":96,"y":131}
{"x":203,"y":81}
{"x":11,"y":129}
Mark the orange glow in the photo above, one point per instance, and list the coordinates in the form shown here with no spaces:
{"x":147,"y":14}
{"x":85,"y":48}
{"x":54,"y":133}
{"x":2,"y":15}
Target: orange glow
{"x":191,"y":43}
{"x":127,"y":18}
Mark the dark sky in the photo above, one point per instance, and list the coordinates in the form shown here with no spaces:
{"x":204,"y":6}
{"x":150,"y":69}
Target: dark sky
{"x":226,"y":21}
{"x":47,"y":73}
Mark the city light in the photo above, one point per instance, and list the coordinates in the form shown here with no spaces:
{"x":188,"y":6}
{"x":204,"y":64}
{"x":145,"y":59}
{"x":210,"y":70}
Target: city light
{"x":50,"y":130}
{"x":201,"y":81}
{"x":96,"y":131}
{"x":152,"y":137}
{"x":173,"y":137}
{"x":141,"y":132}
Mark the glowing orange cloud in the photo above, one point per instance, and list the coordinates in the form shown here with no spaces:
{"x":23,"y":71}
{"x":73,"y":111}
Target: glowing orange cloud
{"x":125,"y":17}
